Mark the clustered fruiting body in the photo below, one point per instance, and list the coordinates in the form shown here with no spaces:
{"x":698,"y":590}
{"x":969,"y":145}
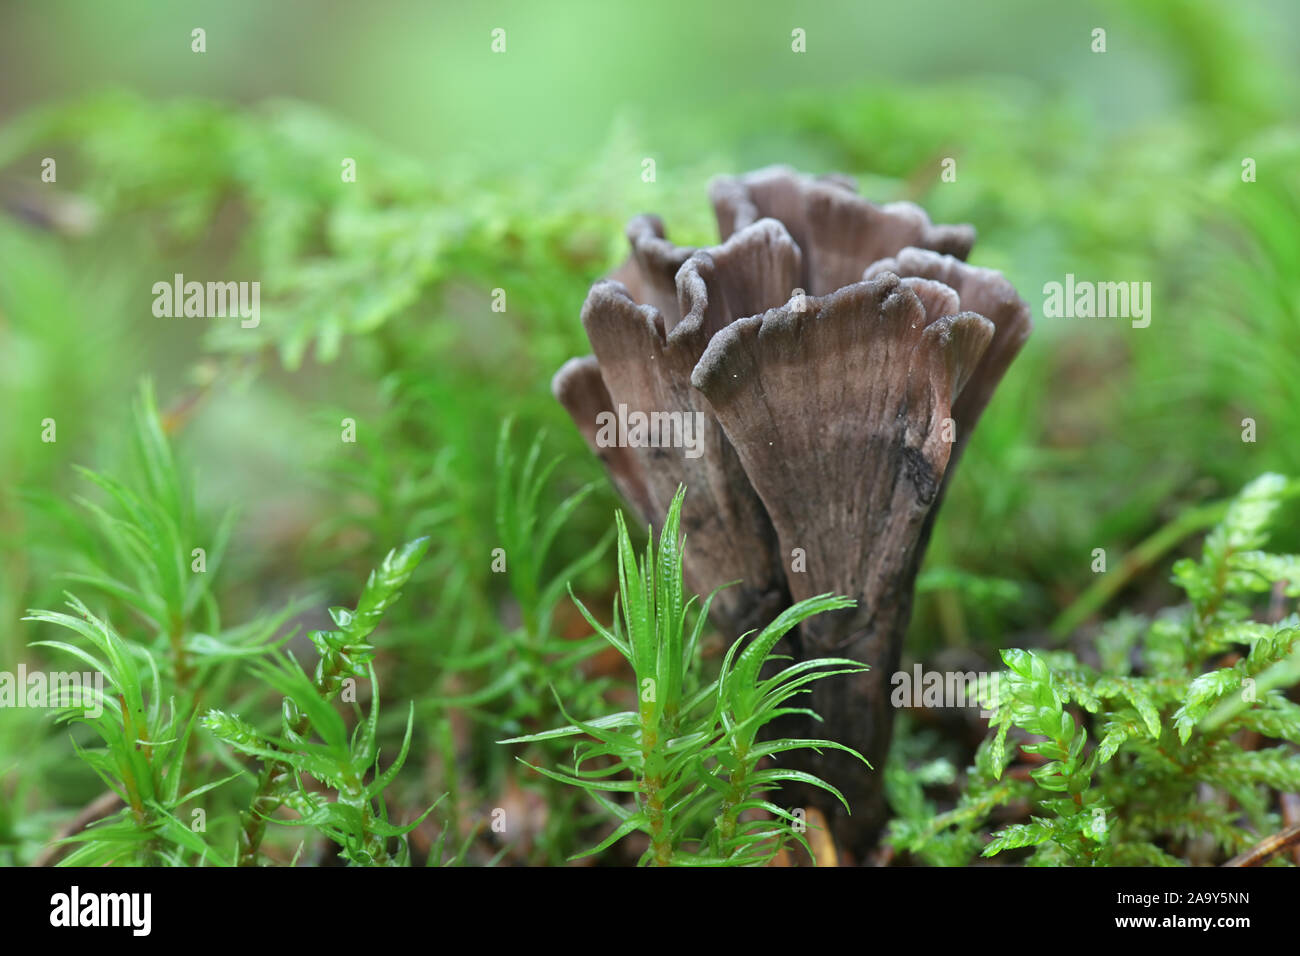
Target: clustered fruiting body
{"x":838,"y":354}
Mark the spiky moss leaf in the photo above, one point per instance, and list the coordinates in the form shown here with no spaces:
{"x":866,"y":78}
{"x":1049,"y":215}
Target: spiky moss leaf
{"x":1277,"y":767}
{"x":1137,"y":693}
{"x":1201,"y":695}
{"x":1019,"y":835}
{"x":1277,"y":717}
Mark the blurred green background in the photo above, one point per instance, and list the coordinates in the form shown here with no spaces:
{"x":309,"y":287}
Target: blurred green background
{"x":517,"y":170}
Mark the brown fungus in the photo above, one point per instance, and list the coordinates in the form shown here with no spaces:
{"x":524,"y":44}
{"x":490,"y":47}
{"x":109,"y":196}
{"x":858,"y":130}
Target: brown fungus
{"x":836,"y":354}
{"x":643,"y":359}
{"x":839,"y":232}
{"x":985,"y":292}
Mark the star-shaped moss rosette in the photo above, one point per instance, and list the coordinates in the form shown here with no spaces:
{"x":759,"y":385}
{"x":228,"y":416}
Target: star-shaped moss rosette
{"x":833,"y":354}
